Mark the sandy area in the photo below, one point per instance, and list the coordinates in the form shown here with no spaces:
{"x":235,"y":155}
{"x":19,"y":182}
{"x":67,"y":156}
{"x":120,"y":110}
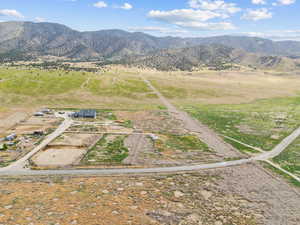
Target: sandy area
{"x":58,"y":156}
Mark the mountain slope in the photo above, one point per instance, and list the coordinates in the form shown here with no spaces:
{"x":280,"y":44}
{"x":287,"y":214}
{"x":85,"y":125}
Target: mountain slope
{"x":216,"y":57}
{"x":39,"y":39}
{"x":184,"y":59}
{"x":58,"y":40}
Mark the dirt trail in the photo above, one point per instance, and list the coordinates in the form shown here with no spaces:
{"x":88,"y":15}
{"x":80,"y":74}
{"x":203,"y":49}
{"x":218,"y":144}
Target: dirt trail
{"x":208,"y":136}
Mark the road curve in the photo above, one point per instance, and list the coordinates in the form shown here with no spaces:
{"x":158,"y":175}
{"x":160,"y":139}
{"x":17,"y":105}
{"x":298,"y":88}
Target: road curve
{"x":18,"y":168}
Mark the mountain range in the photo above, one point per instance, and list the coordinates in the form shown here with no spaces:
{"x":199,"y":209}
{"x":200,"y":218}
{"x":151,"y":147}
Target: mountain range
{"x":28,"y":39}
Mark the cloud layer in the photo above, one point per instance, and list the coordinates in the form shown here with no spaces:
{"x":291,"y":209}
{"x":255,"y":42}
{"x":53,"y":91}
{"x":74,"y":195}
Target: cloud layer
{"x":11,"y":12}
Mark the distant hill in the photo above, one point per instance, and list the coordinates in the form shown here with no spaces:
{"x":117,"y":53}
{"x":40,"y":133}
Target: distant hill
{"x":212,"y":56}
{"x":27,"y":38}
{"x":58,"y":40}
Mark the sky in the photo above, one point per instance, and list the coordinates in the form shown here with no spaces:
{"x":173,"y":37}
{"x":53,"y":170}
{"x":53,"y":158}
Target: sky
{"x":273,"y":19}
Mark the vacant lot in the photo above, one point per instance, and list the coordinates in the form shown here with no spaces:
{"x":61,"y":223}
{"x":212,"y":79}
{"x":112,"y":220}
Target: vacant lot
{"x":66,"y":150}
{"x":262,"y":123}
{"x":60,"y":156}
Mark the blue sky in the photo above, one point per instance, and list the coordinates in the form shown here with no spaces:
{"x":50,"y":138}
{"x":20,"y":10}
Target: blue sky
{"x":276,"y":19}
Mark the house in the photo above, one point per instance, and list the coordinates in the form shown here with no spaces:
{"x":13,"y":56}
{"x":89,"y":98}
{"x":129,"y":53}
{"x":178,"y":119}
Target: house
{"x":85,"y":113}
{"x":10,"y":137}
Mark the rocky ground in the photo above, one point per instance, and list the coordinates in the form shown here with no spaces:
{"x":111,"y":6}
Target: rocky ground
{"x":216,"y":197}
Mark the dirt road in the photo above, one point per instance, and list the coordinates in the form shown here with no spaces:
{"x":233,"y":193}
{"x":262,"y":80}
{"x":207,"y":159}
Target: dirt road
{"x":205,"y":134}
{"x":21,"y":163}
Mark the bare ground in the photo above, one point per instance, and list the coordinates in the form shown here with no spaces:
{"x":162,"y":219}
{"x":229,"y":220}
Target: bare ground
{"x":59,"y":156}
{"x":243,"y":195}
{"x":278,"y":201}
{"x":11,"y":120}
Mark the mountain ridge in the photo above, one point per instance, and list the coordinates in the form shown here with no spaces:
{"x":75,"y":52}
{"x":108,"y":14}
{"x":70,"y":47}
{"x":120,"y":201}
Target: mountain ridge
{"x":41,"y":39}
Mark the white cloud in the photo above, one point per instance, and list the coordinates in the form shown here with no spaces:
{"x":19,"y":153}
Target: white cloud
{"x":162,"y":30}
{"x":284,"y":2}
{"x":191,"y":19}
{"x":207,"y":26}
{"x":39,"y":19}
{"x":100,"y":4}
{"x":258,"y":14}
{"x":259,"y":2}
{"x":11,"y":12}
{"x":218,"y":6}
{"x":183,"y":15}
{"x":126,"y":6}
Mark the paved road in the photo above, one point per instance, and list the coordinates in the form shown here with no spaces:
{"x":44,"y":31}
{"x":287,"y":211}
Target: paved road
{"x":264,"y":156}
{"x":17,"y":169}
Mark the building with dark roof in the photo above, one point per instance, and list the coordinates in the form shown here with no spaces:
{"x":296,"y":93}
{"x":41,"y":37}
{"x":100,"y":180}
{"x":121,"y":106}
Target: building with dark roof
{"x":86,"y":113}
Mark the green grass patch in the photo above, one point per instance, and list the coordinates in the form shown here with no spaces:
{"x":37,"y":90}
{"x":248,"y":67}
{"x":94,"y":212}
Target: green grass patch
{"x":170,"y":91}
{"x":184,"y":143}
{"x":107,"y":152}
{"x":289,"y":159}
{"x":254,"y":123}
{"x":6,"y":163}
{"x":284,"y":175}
{"x":40,"y":82}
{"x":122,"y":87}
{"x":127,"y":124}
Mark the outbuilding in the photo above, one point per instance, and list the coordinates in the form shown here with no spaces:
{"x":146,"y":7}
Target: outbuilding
{"x":10,"y":137}
{"x":85,"y":113}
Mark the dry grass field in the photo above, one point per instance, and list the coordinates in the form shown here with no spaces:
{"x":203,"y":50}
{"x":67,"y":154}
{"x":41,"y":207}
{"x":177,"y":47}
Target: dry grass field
{"x":224,"y":87}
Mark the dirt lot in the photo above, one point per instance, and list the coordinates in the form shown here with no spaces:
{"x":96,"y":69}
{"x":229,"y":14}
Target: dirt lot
{"x":59,"y":156}
{"x":242,"y":195}
{"x":153,"y":121}
{"x":28,"y":126}
{"x":9,"y":120}
{"x":75,"y":140}
{"x":66,"y":150}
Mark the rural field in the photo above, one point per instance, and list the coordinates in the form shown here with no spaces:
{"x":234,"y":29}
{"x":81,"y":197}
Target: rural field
{"x":179,"y":112}
{"x":148,"y":119}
